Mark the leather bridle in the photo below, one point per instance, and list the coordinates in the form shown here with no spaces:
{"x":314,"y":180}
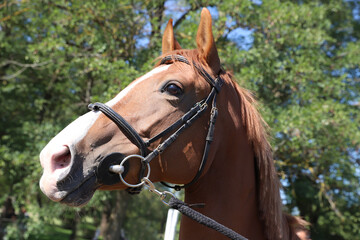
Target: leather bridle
{"x":176,"y":129}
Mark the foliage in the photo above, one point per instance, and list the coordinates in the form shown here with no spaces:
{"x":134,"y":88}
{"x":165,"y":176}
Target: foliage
{"x":300,"y":58}
{"x":57,"y":57}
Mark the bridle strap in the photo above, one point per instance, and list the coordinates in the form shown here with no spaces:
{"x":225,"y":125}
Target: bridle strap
{"x":196,"y":108}
{"x":123,"y":125}
{"x":208,"y":141}
{"x":188,"y":119}
{"x":176,"y":58}
{"x":186,"y":122}
{"x":216,"y":83}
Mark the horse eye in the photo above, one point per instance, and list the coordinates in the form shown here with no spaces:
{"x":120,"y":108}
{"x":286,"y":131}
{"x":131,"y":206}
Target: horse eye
{"x":173,"y":89}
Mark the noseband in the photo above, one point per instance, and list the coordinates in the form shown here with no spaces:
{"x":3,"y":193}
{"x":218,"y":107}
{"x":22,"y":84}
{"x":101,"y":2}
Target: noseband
{"x":176,"y":129}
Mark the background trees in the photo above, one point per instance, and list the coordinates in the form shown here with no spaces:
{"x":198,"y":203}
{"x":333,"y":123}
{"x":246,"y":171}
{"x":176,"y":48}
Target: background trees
{"x":300,"y":58}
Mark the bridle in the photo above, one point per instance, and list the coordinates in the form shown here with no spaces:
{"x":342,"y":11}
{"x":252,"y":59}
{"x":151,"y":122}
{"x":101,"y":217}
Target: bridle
{"x":112,"y":160}
{"x":110,"y":163}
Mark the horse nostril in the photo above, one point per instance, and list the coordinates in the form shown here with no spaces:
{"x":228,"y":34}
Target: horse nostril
{"x":61,"y":158}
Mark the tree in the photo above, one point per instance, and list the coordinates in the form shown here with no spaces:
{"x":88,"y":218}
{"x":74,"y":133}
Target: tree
{"x":302,"y":66}
{"x":300,"y":58}
{"x":57,"y":57}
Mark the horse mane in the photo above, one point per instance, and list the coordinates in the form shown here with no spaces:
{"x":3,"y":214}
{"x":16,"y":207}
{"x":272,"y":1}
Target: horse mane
{"x":278,"y":225}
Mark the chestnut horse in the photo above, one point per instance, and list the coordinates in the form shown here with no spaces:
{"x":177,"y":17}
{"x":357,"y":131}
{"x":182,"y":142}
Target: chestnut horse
{"x":238,"y":183}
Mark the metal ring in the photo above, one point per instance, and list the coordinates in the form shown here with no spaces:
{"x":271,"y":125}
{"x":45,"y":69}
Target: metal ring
{"x":165,"y":197}
{"x":123,"y":162}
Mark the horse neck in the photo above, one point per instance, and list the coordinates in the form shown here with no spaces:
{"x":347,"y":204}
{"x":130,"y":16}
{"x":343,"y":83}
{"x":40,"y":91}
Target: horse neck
{"x":228,"y":188}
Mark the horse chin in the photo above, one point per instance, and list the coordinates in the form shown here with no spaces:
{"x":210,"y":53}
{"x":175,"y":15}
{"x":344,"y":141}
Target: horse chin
{"x":81,"y":195}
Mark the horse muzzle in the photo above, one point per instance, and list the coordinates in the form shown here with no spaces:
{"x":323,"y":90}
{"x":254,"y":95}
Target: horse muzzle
{"x":68,"y":180}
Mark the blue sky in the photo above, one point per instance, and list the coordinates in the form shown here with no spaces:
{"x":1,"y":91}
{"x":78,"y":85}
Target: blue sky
{"x":175,"y":9}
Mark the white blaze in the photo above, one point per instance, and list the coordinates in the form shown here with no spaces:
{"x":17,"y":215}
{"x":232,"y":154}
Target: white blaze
{"x":124,"y":92}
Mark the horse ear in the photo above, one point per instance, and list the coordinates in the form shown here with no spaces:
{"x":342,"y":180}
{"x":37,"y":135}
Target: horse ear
{"x":169,"y":42}
{"x":205,"y":42}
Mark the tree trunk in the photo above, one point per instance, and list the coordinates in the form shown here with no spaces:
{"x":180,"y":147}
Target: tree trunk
{"x":113,"y":216}
{"x":7,"y":215}
{"x":156,"y":11}
{"x":73,"y":227}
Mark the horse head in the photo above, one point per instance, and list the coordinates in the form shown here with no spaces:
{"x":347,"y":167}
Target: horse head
{"x":149,"y":105}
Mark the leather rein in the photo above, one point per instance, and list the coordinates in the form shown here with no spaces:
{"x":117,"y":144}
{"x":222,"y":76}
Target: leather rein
{"x":107,"y":177}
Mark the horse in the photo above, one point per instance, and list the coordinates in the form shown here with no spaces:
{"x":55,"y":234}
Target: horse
{"x":228,"y":166}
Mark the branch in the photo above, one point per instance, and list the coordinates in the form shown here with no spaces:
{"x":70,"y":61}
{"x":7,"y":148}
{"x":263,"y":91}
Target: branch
{"x":59,"y":6}
{"x":86,"y":55}
{"x":90,"y":48}
{"x":323,"y":190}
{"x":333,"y":205}
{"x":156,"y":13}
{"x":23,"y":65}
{"x":15,"y":14}
{"x":182,"y":18}
{"x":7,"y":4}
{"x":5,"y":78}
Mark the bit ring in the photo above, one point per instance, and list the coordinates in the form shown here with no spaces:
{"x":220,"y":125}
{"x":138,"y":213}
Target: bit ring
{"x":123,"y":162}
